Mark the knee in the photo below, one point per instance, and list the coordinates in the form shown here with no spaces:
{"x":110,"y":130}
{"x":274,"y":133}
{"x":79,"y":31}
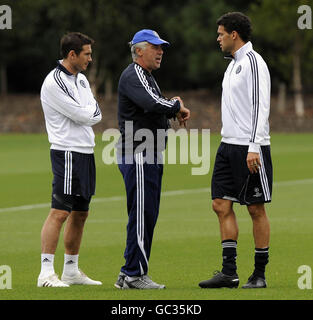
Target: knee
{"x":256,"y":211}
{"x":220,"y":207}
{"x":59,"y":215}
{"x":216,"y":206}
{"x":80,"y":216}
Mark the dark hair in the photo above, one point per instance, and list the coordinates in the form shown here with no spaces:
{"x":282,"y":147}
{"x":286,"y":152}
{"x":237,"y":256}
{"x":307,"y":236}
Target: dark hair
{"x":236,"y":21}
{"x":73,"y":41}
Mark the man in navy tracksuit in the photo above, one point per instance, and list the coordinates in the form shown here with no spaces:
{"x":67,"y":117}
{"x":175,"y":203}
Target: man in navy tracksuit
{"x":143,"y":113}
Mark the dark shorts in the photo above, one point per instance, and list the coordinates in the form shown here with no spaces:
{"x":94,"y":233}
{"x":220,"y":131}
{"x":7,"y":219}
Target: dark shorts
{"x":69,"y":203}
{"x":74,"y":179}
{"x":232,"y":179}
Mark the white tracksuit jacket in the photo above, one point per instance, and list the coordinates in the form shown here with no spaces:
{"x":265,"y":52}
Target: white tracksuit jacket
{"x":70,"y":110}
{"x":246,"y":100}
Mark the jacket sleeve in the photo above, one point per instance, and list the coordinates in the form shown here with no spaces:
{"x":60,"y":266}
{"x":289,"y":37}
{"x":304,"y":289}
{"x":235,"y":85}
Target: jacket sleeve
{"x":137,"y":89}
{"x":61,"y":101}
{"x":259,"y":84}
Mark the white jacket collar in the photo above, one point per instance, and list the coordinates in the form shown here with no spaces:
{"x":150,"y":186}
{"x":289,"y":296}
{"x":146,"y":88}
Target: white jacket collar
{"x":240,"y":53}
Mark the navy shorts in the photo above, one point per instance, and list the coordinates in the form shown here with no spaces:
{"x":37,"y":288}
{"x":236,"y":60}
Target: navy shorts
{"x":232,"y":179}
{"x":74,"y":180}
{"x":69,"y":203}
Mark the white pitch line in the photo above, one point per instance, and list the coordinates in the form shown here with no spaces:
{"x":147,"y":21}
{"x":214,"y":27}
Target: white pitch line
{"x":164,"y":194}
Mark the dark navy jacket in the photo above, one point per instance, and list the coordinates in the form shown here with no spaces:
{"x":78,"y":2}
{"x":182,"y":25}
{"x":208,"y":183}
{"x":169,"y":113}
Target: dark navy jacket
{"x":140,"y":100}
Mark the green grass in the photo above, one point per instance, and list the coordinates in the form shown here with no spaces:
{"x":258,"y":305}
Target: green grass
{"x":186,"y":247}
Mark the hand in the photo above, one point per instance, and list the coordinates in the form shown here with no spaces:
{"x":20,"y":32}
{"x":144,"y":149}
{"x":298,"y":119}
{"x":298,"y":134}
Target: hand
{"x":184,"y":113}
{"x":179,"y":117}
{"x":253,"y":162}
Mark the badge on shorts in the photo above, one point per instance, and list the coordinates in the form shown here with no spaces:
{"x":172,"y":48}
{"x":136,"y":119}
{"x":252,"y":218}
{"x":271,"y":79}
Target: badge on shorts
{"x":82,"y":83}
{"x":257,"y":193}
{"x":238,"y":69}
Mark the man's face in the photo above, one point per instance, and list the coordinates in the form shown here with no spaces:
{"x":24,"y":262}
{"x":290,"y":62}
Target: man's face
{"x":80,"y":62}
{"x":151,"y":56}
{"x":225,"y":39}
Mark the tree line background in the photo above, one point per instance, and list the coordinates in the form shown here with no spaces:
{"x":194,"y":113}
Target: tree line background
{"x":192,"y":62}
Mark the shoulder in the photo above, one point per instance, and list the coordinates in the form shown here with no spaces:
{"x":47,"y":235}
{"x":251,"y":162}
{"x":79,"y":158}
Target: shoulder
{"x":132,"y":74}
{"x":51,"y":80}
{"x":257,"y":65}
{"x":55,"y":81}
{"x":254,"y":58}
{"x":130,"y":71}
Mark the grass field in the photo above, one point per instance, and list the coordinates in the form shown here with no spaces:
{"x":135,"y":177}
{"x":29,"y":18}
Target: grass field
{"x":186,"y":247}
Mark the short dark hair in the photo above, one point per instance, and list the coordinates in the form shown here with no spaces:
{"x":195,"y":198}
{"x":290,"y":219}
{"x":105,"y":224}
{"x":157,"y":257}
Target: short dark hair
{"x":236,"y":21}
{"x":73,"y":41}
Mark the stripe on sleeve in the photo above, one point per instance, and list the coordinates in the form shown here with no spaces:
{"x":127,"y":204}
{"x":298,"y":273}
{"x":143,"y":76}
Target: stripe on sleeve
{"x":98,"y":111}
{"x":255,"y":94}
{"x":58,"y":79}
{"x":144,"y":82}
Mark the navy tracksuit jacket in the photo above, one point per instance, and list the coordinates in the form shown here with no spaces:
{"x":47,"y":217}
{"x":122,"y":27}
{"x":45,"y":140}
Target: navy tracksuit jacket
{"x":141,"y":105}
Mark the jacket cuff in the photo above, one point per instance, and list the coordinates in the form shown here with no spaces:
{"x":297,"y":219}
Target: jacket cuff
{"x":175,"y":109}
{"x":254,"y":147}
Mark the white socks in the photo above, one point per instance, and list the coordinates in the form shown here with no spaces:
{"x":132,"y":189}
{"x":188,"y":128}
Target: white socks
{"x":70,"y":264}
{"x":47,"y":268}
{"x":47,"y":265}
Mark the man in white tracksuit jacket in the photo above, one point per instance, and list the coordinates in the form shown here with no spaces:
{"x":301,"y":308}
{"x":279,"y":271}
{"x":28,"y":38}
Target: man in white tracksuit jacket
{"x":243,"y":167}
{"x":70,"y":111}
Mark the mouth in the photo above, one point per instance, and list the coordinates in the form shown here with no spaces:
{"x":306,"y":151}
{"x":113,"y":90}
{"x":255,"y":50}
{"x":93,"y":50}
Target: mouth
{"x":158,"y":60}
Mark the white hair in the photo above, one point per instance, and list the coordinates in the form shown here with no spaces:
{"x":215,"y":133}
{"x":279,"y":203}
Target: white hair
{"x":141,"y":45}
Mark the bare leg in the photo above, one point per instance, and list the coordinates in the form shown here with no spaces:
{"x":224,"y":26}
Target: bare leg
{"x":73,"y":231}
{"x":50,"y":232}
{"x":229,"y":235}
{"x":227,"y":219}
{"x":261,"y":234}
{"x":261,"y":225}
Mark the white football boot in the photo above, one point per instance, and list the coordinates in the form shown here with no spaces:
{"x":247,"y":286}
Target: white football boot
{"x":80,"y":278}
{"x":51,"y":281}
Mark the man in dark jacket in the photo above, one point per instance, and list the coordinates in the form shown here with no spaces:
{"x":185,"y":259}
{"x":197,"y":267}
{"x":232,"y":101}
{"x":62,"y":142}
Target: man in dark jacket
{"x":143,"y":114}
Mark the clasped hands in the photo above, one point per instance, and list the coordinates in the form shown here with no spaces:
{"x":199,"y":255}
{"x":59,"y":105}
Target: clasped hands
{"x":183,"y":114}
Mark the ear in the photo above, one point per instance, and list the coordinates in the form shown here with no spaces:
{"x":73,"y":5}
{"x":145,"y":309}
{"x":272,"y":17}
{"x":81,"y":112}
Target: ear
{"x":234,"y":35}
{"x":139,"y":52}
{"x":71,"y":55}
